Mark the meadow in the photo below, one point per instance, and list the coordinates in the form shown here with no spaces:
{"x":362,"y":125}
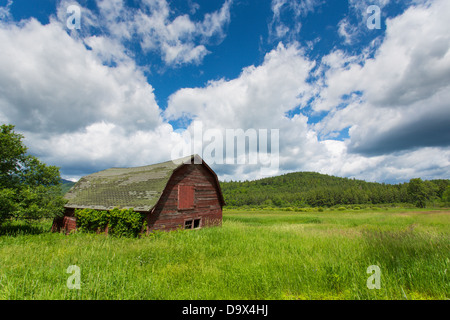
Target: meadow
{"x":257,"y":254}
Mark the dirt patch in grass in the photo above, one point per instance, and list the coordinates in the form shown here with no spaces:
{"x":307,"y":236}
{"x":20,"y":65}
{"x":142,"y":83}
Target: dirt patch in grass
{"x":409,"y":213}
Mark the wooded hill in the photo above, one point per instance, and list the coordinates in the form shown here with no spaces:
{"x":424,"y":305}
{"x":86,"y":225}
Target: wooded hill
{"x":66,"y":185}
{"x":300,"y":189}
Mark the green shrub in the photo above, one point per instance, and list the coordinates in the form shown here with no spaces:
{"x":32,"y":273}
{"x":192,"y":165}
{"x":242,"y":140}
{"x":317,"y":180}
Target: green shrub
{"x":90,"y":220}
{"x":341,"y":208}
{"x":125,"y":222}
{"x":120,"y":222}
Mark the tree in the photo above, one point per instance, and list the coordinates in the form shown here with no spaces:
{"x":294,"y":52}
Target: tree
{"x":12,"y":153}
{"x":446,"y":195}
{"x":29,"y":189}
{"x":417,"y":190}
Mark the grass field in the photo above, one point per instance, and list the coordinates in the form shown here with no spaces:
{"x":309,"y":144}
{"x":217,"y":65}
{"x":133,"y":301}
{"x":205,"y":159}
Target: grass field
{"x":254,"y":255}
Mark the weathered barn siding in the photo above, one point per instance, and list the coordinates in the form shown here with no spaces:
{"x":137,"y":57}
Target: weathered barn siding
{"x":207,"y":206}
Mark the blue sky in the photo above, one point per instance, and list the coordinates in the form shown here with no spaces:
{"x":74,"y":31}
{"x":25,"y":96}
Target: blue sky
{"x":125,"y":88}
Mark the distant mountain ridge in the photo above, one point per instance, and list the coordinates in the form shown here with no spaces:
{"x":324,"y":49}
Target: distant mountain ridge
{"x":66,"y":185}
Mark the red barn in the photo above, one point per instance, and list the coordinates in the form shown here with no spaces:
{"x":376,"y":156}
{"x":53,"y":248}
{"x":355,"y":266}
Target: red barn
{"x":183,"y":193}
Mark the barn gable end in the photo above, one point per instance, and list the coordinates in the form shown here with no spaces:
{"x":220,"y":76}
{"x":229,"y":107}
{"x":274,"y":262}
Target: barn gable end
{"x":182,"y":193}
{"x":206,"y":207}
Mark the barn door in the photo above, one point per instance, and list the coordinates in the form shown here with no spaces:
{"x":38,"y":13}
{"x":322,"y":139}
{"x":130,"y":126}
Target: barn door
{"x":186,"y":197}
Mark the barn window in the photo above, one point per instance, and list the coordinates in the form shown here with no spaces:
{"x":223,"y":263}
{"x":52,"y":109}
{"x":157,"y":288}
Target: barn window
{"x":192,"y":224}
{"x":188,"y":224}
{"x":185,"y":197}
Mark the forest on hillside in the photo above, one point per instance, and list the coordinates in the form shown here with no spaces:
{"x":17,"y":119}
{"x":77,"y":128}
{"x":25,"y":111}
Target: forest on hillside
{"x":301,"y":189}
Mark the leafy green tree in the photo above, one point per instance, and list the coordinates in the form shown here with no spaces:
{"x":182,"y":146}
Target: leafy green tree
{"x":446,"y":195}
{"x":417,"y":190}
{"x":29,"y":189}
{"x":12,"y":154}
{"x":7,"y":203}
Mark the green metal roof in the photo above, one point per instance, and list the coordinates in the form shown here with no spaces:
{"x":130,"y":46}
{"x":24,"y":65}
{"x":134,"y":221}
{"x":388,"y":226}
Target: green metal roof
{"x":139,"y":188}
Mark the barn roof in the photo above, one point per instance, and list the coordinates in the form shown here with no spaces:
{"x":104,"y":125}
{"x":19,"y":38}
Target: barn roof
{"x":139,"y":187}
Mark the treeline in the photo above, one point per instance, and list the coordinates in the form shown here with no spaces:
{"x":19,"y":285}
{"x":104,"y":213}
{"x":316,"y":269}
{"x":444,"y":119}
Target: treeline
{"x":301,"y":189}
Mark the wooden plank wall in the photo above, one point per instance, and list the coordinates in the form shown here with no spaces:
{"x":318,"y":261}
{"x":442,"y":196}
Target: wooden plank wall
{"x":207,"y":206}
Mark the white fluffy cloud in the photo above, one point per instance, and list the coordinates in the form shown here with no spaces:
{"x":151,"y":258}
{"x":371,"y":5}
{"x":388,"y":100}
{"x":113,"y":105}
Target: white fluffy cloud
{"x":179,"y":40}
{"x":258,"y":97}
{"x":103,"y":145}
{"x":404,"y":89}
{"x":52,"y":83}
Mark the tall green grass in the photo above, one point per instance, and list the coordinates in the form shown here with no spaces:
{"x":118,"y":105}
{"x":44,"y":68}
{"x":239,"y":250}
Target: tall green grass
{"x":258,"y":255}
